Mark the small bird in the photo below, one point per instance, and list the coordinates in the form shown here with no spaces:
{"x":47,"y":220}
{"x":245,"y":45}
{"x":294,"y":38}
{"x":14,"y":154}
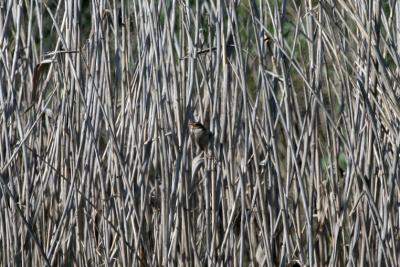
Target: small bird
{"x":200,"y":134}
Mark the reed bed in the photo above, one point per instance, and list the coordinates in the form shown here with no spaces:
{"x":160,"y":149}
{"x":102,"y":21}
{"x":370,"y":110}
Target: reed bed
{"x":97,"y":166}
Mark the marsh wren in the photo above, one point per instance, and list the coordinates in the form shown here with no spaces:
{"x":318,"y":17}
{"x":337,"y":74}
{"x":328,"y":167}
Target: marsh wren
{"x":200,"y":134}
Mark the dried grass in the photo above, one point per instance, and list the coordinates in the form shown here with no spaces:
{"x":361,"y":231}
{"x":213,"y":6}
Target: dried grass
{"x":97,"y":166}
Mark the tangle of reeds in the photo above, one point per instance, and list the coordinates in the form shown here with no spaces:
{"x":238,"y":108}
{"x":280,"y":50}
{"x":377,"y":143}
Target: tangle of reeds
{"x":97,"y":166}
